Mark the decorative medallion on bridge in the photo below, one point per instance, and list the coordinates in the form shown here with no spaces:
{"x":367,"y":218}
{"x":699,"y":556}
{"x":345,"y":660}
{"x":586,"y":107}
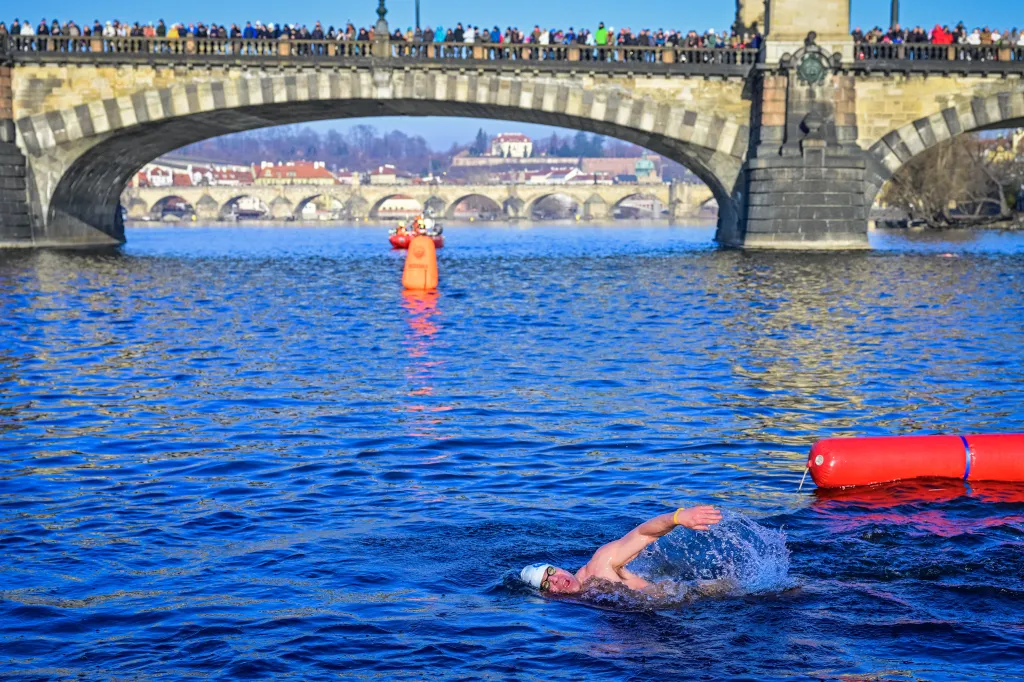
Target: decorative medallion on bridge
{"x":812,"y":69}
{"x":813,"y":64}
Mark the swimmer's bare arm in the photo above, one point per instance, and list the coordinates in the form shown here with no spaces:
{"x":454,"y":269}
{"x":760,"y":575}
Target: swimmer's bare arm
{"x":616,"y":555}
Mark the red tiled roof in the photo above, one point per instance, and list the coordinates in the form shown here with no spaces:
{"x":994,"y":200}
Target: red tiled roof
{"x":297,"y":170}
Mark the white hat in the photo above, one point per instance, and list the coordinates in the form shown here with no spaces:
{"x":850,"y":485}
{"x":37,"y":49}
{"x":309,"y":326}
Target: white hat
{"x":534,"y":575}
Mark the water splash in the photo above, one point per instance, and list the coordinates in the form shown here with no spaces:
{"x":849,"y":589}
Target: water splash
{"x":737,"y":556}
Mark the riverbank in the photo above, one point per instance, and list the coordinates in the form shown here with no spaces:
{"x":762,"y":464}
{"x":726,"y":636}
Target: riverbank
{"x":1010,"y":225}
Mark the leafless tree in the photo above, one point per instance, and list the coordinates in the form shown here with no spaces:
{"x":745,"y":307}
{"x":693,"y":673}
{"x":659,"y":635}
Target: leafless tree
{"x":958,"y":182}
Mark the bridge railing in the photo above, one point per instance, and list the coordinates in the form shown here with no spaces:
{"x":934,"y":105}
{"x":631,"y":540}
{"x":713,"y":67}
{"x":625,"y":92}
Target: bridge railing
{"x":528,"y":52}
{"x":190,"y":48}
{"x":926,"y":52}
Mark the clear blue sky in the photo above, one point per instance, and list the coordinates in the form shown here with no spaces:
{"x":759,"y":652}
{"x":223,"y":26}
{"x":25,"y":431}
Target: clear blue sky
{"x":522,"y":13}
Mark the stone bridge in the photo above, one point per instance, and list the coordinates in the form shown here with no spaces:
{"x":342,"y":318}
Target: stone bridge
{"x":794,"y":142}
{"x":595,"y":202}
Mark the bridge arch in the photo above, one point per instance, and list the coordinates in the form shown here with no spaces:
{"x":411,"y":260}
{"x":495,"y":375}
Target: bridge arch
{"x":172,"y":205}
{"x":375,"y":210}
{"x":496,"y":208}
{"x":538,"y":202}
{"x":654,"y":210}
{"x":244,"y":207}
{"x":334,"y":206}
{"x":85,"y":154}
{"x":897,"y":148}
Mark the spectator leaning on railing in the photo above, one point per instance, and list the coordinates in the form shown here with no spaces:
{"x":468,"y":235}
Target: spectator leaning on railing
{"x":980,"y":43}
{"x":604,"y":43}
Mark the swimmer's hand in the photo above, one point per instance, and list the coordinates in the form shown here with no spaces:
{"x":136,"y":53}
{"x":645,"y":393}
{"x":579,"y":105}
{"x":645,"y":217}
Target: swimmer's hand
{"x":697,"y":518}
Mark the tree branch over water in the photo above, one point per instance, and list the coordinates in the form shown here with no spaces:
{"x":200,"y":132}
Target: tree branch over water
{"x":968,"y":180}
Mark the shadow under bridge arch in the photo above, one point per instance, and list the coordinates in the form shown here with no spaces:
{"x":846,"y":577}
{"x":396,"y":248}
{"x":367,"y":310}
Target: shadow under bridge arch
{"x":474,"y":207}
{"x":397,"y":206}
{"x":171,"y":207}
{"x":320,"y":207}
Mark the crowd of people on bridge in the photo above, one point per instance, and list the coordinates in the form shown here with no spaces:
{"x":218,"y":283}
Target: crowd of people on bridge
{"x":253,"y":37}
{"x":979,"y":43}
{"x":510,"y":43}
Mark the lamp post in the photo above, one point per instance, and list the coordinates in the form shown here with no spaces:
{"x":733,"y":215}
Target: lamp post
{"x":417,"y":14}
{"x":382,"y":24}
{"x":894,"y":18}
{"x":381,"y":34}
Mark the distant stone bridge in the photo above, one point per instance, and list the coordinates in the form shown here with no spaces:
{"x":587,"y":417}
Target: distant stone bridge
{"x":794,"y":141}
{"x":595,"y":202}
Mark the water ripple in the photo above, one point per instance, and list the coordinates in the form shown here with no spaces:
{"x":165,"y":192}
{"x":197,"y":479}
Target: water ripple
{"x":245,"y":453}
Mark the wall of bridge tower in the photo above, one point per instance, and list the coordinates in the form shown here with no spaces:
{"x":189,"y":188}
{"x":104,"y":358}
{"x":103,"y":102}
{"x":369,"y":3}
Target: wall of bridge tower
{"x":15,"y":220}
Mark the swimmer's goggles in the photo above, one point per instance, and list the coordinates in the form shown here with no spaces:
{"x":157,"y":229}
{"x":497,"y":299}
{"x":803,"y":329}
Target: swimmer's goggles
{"x":545,"y":584}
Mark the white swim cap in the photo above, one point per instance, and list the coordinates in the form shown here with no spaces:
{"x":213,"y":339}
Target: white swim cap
{"x":534,"y":575}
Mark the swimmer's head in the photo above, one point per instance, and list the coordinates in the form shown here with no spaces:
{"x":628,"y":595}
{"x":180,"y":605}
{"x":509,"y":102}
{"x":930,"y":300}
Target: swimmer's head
{"x":548,"y":578}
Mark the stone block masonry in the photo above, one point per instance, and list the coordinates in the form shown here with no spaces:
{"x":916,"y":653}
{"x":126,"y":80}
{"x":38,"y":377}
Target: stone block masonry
{"x":15,"y":218}
{"x":796,"y":202}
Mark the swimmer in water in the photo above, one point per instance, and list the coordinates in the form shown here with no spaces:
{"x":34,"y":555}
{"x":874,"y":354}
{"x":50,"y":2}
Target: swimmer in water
{"x":609,"y":562}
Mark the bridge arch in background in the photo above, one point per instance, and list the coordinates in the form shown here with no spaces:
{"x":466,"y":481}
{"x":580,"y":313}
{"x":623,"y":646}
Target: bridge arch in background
{"x":245,"y":207}
{"x":548,"y":200}
{"x":324,"y":203}
{"x":622,"y":206}
{"x":414,"y":206}
{"x":173,"y":206}
{"x":492,"y":208}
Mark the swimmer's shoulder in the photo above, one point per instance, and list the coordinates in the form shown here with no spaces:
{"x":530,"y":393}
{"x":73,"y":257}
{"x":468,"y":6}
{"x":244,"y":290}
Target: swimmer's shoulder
{"x":598,"y":567}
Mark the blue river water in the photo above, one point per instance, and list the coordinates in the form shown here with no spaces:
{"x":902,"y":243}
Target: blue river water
{"x":242,"y":453}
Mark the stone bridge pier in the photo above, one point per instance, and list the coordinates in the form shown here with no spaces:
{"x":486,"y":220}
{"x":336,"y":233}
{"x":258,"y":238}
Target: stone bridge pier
{"x":794,"y":141}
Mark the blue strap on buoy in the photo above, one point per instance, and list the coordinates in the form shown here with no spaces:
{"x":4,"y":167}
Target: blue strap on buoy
{"x":967,"y":452}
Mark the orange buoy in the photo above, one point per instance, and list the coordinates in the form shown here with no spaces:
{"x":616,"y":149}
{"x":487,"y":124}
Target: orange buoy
{"x":844,"y":462}
{"x":420,"y":265}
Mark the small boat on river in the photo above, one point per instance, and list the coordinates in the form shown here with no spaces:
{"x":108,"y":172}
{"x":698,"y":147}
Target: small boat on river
{"x":400,"y":237}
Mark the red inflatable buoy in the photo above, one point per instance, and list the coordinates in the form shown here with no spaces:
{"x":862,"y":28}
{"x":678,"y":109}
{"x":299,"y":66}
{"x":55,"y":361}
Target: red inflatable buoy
{"x":844,"y":462}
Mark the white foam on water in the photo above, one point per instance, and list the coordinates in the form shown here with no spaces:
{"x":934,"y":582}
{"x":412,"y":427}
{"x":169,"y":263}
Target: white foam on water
{"x":736,"y":556}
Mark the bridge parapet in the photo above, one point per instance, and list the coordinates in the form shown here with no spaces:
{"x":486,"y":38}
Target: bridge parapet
{"x":215,"y":51}
{"x":938,"y":59}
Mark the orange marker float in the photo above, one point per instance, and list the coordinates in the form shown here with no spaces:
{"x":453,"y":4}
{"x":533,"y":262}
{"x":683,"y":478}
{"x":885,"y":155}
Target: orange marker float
{"x":420,"y":265}
{"x":844,"y":462}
